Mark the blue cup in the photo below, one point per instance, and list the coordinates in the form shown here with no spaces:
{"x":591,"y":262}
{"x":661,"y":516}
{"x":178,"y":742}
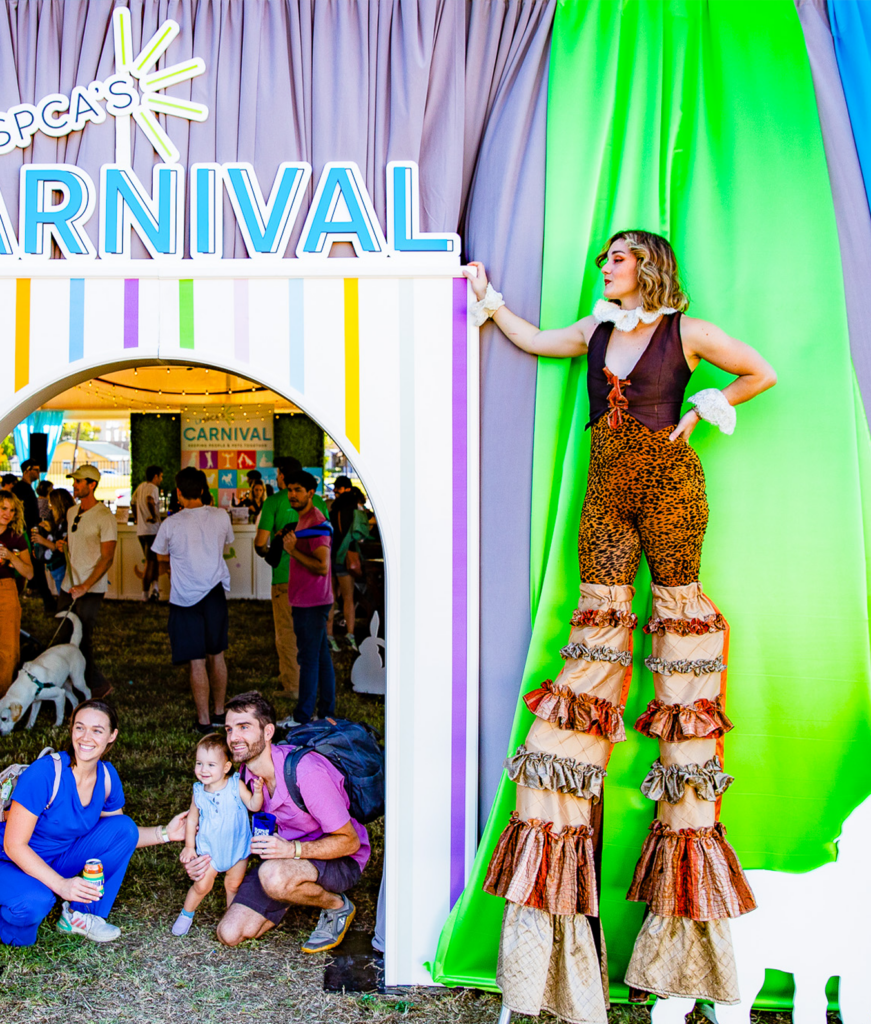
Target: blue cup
{"x":263,"y":824}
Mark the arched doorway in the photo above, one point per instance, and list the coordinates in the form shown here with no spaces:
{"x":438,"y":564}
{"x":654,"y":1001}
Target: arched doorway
{"x":382,"y":363}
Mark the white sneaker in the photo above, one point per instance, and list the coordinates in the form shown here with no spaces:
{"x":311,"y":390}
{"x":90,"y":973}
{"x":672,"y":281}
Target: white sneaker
{"x":287,"y":723}
{"x":75,"y":922}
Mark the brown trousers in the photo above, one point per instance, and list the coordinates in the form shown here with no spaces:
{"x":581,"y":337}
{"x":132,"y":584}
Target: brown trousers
{"x":10,"y":632}
{"x":285,"y":640}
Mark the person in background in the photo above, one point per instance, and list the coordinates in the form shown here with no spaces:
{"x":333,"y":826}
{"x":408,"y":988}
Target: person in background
{"x":146,"y":509}
{"x":310,"y":593}
{"x":274,"y":516}
{"x":342,"y":517}
{"x":256,"y":499}
{"x":191,"y":545}
{"x":92,"y":535}
{"x":341,"y":485}
{"x":23,"y":490}
{"x":53,"y":528}
{"x":14,"y":558}
{"x":43,"y":490}
{"x":8,"y":481}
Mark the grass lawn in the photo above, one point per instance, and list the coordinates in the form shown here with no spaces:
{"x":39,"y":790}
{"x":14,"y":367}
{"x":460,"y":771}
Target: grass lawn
{"x":147,"y":975}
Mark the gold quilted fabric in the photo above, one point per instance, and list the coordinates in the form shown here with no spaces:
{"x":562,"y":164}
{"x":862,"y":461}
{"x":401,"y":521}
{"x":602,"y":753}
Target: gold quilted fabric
{"x":675,"y":956}
{"x":549,"y":962}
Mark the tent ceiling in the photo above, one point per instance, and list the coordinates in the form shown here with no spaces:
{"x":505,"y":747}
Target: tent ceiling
{"x":166,"y":388}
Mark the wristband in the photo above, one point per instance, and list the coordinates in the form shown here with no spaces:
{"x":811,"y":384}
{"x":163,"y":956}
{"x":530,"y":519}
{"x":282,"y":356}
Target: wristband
{"x":163,"y":833}
{"x":297,"y":845}
{"x":484,"y":308}
{"x":713,"y":406}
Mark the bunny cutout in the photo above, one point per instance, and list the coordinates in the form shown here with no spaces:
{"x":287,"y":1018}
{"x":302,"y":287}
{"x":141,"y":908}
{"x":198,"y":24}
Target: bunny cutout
{"x":367,"y":673}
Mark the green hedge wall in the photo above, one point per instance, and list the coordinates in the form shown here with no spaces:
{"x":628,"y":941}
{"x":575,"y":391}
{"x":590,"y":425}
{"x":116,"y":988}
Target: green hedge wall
{"x":155,"y":439}
{"x":298,"y":435}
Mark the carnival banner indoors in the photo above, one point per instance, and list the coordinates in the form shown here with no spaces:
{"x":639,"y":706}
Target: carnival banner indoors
{"x":292,"y":192}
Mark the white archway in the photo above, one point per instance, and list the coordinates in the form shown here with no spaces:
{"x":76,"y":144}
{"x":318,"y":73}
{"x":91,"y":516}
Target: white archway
{"x":387,"y":362}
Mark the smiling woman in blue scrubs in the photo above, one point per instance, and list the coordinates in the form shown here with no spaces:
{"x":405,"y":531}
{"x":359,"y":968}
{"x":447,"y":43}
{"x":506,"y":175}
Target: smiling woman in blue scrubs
{"x":45,"y":841}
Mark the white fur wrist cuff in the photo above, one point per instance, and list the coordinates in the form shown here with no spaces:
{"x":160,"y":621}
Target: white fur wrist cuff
{"x":483,"y":309}
{"x":713,"y":406}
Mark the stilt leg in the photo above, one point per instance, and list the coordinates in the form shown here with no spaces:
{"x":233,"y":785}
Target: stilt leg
{"x":688,"y":873}
{"x":543,"y":864}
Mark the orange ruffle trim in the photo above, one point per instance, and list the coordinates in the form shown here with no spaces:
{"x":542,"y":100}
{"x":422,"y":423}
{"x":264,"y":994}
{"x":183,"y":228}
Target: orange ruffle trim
{"x":604,"y":617}
{"x":536,"y":867}
{"x":675,"y":722}
{"x":692,"y":873}
{"x":688,"y":627}
{"x":580,"y":712}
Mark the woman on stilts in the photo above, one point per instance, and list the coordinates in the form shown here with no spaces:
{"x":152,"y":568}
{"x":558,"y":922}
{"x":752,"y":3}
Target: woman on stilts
{"x":645,"y":492}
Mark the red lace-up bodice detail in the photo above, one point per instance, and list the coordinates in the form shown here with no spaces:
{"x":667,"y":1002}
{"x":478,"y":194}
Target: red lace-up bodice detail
{"x":618,"y":403}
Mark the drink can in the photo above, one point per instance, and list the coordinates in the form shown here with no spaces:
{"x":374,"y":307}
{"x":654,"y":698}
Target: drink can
{"x":263,"y":824}
{"x":93,"y":873}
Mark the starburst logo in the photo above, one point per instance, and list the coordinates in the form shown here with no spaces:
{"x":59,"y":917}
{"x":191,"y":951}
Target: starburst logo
{"x":151,"y":84}
{"x":134,"y":92}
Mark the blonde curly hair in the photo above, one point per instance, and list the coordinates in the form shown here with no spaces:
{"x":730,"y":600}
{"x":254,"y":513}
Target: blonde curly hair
{"x":17,"y":524}
{"x":656,"y":270}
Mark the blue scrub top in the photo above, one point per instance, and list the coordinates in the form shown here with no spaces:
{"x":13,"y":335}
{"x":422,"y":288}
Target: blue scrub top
{"x":66,"y":820}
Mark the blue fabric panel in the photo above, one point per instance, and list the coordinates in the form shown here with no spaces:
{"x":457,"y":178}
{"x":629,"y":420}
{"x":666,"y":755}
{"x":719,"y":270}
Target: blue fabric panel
{"x":851,"y":31}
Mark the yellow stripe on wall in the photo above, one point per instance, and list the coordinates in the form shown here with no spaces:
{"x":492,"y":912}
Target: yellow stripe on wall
{"x":22,"y":333}
{"x":352,"y":361}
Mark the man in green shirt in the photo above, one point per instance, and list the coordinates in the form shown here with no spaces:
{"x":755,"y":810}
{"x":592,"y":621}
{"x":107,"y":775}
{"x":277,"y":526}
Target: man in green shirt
{"x":275,"y":515}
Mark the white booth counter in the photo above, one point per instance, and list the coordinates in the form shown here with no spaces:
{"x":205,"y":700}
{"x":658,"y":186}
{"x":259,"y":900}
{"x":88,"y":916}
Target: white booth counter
{"x":250,"y":576}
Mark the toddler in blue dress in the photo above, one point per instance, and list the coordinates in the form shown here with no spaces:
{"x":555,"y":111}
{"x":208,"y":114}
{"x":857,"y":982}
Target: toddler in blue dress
{"x":217,"y":825}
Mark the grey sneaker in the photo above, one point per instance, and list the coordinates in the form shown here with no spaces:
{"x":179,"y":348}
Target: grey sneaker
{"x":351,"y":641}
{"x":97,"y":929}
{"x":333,"y":643}
{"x":332,"y":927}
{"x":182,"y":925}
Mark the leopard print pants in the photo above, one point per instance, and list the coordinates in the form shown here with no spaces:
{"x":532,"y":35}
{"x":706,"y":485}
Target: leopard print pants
{"x":644,"y":493}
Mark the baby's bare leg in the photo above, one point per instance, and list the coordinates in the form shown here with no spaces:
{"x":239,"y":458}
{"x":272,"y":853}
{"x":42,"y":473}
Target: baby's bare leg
{"x":200,"y":889}
{"x":233,"y":879}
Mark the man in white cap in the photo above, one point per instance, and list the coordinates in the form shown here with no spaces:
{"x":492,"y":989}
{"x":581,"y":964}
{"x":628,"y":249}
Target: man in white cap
{"x":92,"y":534}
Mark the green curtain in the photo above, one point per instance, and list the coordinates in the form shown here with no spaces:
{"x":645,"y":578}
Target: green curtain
{"x":698,"y":120}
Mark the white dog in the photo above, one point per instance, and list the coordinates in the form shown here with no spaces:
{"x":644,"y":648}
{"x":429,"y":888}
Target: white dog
{"x":51,"y":676}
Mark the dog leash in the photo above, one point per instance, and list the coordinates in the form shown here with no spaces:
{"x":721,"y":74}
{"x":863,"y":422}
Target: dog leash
{"x":63,"y":620}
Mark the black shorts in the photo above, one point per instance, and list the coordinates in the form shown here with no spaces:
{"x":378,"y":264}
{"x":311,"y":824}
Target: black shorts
{"x":145,"y":542}
{"x":333,"y":875}
{"x":200,"y":629}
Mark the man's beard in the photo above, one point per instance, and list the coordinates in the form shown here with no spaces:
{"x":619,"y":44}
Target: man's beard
{"x":253,"y":750}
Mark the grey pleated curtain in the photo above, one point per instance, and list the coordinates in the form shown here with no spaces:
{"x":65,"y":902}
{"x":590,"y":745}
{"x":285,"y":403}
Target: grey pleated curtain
{"x":459,"y":87}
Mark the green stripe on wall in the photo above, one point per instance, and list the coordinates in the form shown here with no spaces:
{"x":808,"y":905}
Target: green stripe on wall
{"x":186,"y":314}
{"x":699,"y":121}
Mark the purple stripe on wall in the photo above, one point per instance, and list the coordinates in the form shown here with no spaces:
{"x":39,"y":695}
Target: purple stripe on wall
{"x":131,"y":312}
{"x":459,"y":631}
{"x":240,"y":319}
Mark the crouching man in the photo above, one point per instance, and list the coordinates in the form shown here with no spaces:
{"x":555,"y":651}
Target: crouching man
{"x":315,"y":855}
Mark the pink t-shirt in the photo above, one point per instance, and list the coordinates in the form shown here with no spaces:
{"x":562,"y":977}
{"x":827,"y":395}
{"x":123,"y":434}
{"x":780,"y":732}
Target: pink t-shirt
{"x":305,"y":589}
{"x":323,"y":790}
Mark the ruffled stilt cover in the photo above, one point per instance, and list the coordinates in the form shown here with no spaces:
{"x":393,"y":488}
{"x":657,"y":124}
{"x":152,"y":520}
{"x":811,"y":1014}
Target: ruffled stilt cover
{"x":688,"y":874}
{"x":543,"y":863}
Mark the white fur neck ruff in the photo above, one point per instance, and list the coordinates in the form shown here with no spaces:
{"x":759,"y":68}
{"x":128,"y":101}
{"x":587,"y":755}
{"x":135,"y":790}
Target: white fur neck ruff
{"x":627,"y":319}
